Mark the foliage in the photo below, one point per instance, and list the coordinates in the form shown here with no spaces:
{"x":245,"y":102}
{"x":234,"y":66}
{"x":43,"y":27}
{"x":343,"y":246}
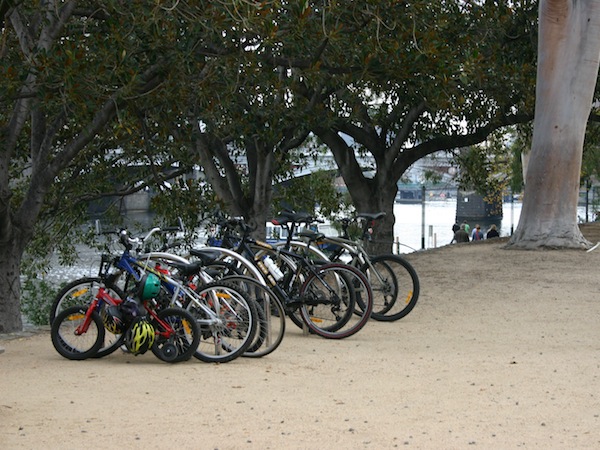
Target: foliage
{"x":36,"y":299}
{"x":107,"y":74}
{"x":314,"y":193}
{"x":183,"y":202}
{"x":590,"y":170}
{"x":487,"y":168}
{"x":520,"y":144}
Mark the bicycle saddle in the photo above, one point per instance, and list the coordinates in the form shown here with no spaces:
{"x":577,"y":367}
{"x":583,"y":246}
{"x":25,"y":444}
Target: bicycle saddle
{"x":187,"y":269}
{"x":291,"y":216}
{"x":311,"y":235}
{"x":206,"y":256}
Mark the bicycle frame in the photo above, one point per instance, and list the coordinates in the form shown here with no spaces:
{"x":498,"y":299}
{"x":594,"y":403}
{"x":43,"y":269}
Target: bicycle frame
{"x":103,"y":297}
{"x":178,"y":291}
{"x":181,"y":292}
{"x":359,"y":256}
{"x":294,"y":261}
{"x":129,"y":264}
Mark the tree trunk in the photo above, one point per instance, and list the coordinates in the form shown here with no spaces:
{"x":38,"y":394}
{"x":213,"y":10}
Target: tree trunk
{"x":10,"y":287}
{"x":222,"y":174}
{"x":369,"y":195}
{"x":568,"y":55}
{"x":383,"y":231}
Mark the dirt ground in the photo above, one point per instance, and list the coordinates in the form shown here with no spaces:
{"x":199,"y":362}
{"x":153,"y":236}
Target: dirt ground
{"x":501,"y":351}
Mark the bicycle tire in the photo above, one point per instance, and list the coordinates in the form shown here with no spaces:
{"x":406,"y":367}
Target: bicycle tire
{"x":329,"y":301}
{"x":396,"y":287}
{"x":73,"y":346}
{"x":230,"y":330}
{"x":81,"y":292}
{"x":182,"y":343}
{"x":271,"y":316}
{"x":77,"y":292}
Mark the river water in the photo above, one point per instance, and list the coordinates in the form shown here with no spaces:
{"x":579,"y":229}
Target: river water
{"x":434,"y":228}
{"x":413,"y":231}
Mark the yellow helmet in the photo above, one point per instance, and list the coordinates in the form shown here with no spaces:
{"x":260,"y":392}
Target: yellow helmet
{"x":140,"y":336}
{"x":112,"y":318}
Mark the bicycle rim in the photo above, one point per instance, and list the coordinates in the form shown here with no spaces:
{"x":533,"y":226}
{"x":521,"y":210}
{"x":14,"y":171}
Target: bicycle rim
{"x":227,"y":320}
{"x":76,"y":346}
{"x":329,"y":301}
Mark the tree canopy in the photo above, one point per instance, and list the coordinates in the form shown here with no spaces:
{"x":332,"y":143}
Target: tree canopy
{"x":107,"y":97}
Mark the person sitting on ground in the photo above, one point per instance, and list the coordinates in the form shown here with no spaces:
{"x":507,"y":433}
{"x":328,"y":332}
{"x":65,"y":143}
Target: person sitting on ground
{"x":477,"y":234}
{"x":492,"y":232}
{"x":461,"y":235}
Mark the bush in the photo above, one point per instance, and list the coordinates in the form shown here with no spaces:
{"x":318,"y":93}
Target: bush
{"x":36,"y":300}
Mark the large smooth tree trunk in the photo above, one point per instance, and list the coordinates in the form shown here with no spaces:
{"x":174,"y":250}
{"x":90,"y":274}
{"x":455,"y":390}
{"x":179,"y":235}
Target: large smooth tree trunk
{"x":568,"y":55}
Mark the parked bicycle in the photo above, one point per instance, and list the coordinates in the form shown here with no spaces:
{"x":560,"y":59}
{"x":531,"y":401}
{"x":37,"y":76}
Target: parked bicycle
{"x":333,"y":300}
{"x":394,"y":281}
{"x":227,"y":318}
{"x":172,"y":334}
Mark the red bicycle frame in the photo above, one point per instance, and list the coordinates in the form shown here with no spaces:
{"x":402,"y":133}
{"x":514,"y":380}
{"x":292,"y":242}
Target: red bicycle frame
{"x":103,"y":296}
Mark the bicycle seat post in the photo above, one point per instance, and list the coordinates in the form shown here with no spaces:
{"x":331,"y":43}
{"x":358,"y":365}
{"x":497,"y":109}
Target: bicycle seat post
{"x":345,"y":225}
{"x":366,"y":236}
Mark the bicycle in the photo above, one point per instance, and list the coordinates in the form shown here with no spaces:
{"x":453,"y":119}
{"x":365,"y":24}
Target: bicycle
{"x":227,"y":318}
{"x":77,"y":332}
{"x":394,"y":281}
{"x":83,"y":290}
{"x":333,"y":300}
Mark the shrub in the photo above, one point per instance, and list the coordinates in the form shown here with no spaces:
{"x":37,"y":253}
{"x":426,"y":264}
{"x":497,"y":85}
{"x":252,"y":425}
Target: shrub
{"x":36,"y":300}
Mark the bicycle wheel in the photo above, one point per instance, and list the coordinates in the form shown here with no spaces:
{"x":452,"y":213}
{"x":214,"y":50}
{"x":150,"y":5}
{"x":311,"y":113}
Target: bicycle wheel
{"x":227,"y":319}
{"x":180,"y":341}
{"x":329,"y":301}
{"x":271,"y":315}
{"x":395,"y":286}
{"x":76,"y":346}
{"x":78,"y":292}
{"x":81,"y":292}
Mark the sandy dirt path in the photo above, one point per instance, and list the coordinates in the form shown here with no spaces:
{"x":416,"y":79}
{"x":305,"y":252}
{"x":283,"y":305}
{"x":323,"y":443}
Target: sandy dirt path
{"x":502,"y":351}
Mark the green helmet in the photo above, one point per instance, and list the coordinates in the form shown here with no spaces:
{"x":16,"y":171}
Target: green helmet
{"x":149,"y":286}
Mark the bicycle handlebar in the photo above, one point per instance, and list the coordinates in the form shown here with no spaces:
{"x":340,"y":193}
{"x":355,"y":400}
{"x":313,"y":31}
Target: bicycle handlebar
{"x":130,"y":242}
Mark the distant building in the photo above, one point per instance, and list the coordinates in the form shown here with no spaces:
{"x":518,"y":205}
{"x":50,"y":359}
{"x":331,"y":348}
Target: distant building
{"x":473,"y":207}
